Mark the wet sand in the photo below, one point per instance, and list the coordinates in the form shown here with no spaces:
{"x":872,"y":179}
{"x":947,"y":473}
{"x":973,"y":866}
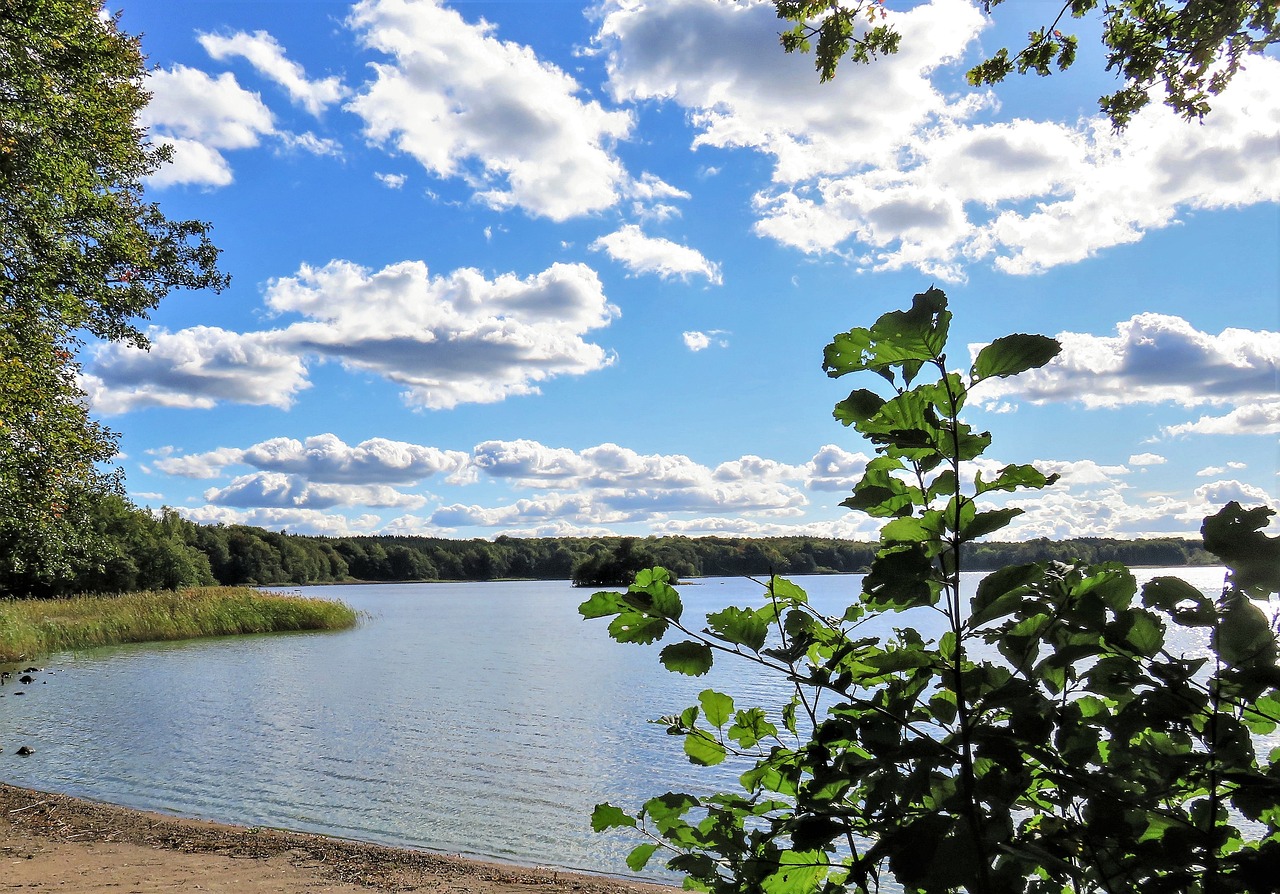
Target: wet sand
{"x":51,"y":842}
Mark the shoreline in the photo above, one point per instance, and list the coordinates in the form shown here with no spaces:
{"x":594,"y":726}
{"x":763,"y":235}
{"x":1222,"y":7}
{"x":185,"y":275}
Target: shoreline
{"x":54,"y":842}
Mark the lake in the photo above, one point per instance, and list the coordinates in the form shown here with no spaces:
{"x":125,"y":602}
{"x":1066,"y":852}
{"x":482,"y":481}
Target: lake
{"x":485,"y":719}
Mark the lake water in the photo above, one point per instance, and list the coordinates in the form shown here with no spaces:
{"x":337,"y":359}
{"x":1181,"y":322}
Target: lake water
{"x":478,"y":718}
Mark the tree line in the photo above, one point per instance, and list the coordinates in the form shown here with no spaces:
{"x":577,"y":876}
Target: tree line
{"x":138,"y":550}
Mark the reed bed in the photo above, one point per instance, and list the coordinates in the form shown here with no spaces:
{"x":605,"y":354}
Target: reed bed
{"x":31,"y":627}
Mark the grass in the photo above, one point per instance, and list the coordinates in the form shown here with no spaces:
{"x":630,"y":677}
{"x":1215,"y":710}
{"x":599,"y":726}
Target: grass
{"x":31,"y":627}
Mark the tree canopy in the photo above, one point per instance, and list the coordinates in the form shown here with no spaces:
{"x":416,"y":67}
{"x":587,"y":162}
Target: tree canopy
{"x":82,"y":254}
{"x":1186,"y":49}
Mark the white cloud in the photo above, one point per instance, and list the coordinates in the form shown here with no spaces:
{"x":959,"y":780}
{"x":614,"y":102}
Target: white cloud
{"x":700,"y":341}
{"x":1256,"y":419}
{"x":194,"y":368}
{"x":296,"y":521}
{"x":639,"y":253}
{"x":609,"y":484}
{"x":309,"y":142}
{"x":880,"y":164}
{"x":448,"y":340}
{"x":196,"y":465}
{"x":192,"y":164}
{"x":201,"y":116}
{"x":327,"y":458}
{"x":280,"y":491}
{"x":392,"y":181}
{"x":1156,"y":358}
{"x":265,"y":54}
{"x":835,"y":469}
{"x":465,"y":104}
{"x":452,"y":339}
{"x":1147,"y":459}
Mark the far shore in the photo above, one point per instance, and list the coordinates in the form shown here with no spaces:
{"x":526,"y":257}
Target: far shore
{"x":51,"y":842}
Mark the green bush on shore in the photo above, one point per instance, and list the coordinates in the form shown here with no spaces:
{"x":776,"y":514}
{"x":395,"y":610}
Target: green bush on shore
{"x":31,"y":627}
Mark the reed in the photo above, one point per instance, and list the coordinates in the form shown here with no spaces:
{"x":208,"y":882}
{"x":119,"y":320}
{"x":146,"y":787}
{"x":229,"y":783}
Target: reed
{"x":31,"y":627}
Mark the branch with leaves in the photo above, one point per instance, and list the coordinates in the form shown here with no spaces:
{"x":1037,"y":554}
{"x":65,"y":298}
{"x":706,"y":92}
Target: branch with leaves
{"x":1050,"y":740}
{"x":1183,"y":52}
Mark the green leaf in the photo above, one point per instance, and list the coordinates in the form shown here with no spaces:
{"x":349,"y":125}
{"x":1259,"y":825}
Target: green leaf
{"x":639,"y":857}
{"x":900,"y":578}
{"x":716,"y":707}
{"x":858,"y":407}
{"x":1243,"y":637}
{"x":1014,"y":477}
{"x":984,"y":523}
{"x":740,"y":626}
{"x":1145,"y":633}
{"x":787,"y":592}
{"x":652,"y":594}
{"x":750,"y":727}
{"x":1013,"y":354}
{"x":1184,"y":602}
{"x":634,"y":627}
{"x":703,"y":750}
{"x":602,"y":605}
{"x":690,"y":658}
{"x":606,"y":816}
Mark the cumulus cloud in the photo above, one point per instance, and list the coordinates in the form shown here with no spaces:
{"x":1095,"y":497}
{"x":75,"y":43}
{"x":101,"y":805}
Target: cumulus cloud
{"x":452,"y":339}
{"x":297,"y":521}
{"x":1256,"y":419}
{"x":610,"y":484}
{"x":835,"y":469}
{"x":326,"y":458}
{"x":459,"y":338}
{"x":194,"y":368}
{"x":1156,"y":358}
{"x":881,"y":164}
{"x":640,"y":253}
{"x":464,"y":103}
{"x":202,"y":116}
{"x":280,"y":491}
{"x":391,"y":181}
{"x":1147,"y":459}
{"x":267,"y":56}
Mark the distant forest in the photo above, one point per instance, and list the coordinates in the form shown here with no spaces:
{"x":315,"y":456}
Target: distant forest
{"x":140,"y":551}
{"x":145,"y":552}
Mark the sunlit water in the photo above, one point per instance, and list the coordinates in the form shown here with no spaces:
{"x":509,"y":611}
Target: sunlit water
{"x":478,"y":718}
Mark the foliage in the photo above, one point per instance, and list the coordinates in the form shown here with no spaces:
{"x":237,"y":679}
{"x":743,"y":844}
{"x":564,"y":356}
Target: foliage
{"x":1056,"y":738}
{"x":32,"y":627}
{"x":1187,"y":49}
{"x":618,"y":568}
{"x":81,"y":251}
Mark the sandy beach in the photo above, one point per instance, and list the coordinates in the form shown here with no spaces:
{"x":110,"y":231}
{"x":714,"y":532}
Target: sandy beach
{"x":51,"y":842}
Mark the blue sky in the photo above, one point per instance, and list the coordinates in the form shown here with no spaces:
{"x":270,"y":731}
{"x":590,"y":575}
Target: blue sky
{"x":547,"y":268}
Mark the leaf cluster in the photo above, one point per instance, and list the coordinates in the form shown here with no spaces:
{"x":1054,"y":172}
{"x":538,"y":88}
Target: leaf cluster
{"x":1057,"y":737}
{"x":1187,"y":50}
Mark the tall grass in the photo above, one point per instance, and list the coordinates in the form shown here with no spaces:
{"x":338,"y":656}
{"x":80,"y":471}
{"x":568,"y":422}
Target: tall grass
{"x":31,"y":627}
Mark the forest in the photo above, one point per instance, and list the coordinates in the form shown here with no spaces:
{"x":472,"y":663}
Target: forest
{"x":137,"y":550}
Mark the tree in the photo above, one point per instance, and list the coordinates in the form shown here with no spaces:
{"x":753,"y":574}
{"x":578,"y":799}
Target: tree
{"x":1190,"y":49}
{"x":1055,"y":737}
{"x":81,"y":253}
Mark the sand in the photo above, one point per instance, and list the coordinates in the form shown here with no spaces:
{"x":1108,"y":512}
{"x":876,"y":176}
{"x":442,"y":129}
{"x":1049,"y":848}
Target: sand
{"x":51,"y":842}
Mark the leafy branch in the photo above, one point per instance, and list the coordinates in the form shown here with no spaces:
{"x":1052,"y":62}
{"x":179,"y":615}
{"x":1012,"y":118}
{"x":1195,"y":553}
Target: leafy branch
{"x":1050,"y":740}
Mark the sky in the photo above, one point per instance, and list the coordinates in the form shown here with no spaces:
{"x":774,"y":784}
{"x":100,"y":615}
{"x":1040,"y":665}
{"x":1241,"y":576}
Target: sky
{"x":552,"y":268}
